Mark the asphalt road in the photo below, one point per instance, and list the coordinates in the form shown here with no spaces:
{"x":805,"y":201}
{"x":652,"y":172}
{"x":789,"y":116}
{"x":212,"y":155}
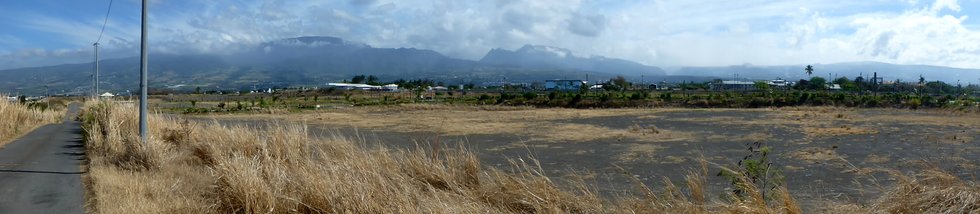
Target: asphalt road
{"x":41,"y":173}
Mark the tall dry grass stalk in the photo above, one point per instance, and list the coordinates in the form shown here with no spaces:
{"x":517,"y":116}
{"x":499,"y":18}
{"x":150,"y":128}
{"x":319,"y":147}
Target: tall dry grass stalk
{"x":189,"y":167}
{"x":931,"y":191}
{"x":17,"y":119}
{"x":209,"y":168}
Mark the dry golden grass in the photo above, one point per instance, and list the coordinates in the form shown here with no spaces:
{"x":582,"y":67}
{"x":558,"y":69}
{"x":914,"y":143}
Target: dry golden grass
{"x":815,"y":155}
{"x":836,"y":131}
{"x":641,"y":152}
{"x":568,"y":125}
{"x":447,"y":120}
{"x":876,"y":159}
{"x":188,"y":167}
{"x":931,"y":191}
{"x":17,"y":119}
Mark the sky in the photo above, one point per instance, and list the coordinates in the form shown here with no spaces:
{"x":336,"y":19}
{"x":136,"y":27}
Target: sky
{"x":666,"y":33}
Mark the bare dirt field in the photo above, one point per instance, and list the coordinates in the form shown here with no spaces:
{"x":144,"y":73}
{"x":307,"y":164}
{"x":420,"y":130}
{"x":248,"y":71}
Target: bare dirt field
{"x":826,"y":154}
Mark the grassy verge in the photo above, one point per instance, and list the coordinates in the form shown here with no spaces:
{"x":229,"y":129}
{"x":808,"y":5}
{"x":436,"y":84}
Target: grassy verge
{"x":188,"y":167}
{"x":17,"y":119}
{"x":290,"y":101}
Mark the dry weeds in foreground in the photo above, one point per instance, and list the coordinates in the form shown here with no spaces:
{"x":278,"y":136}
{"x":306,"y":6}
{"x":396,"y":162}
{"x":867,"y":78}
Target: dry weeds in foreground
{"x":17,"y":119}
{"x":931,"y":191}
{"x":207,"y":168}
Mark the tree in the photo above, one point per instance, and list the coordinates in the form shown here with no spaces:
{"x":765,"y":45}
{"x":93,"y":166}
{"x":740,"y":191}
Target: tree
{"x":922,"y":82}
{"x":372,"y":80}
{"x":817,"y":83}
{"x":762,"y":85}
{"x":618,"y":84}
{"x":809,"y":70}
{"x":846,"y":84}
{"x":358,"y":79}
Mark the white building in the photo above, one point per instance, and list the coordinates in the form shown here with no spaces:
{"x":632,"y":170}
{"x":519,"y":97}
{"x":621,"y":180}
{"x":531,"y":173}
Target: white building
{"x":778,"y":83}
{"x":733,"y":85}
{"x":390,"y":87}
{"x":833,"y":86}
{"x":365,"y":87}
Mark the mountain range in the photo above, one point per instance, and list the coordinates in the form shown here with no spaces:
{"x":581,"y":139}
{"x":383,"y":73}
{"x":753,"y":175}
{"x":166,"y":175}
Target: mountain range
{"x":312,"y":61}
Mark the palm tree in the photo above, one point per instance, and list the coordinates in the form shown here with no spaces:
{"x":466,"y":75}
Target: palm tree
{"x":809,"y":70}
{"x":922,"y":82}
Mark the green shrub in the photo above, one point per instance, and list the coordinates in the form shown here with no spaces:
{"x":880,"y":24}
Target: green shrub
{"x":915,"y":103}
{"x":530,"y":95}
{"x":755,"y":170}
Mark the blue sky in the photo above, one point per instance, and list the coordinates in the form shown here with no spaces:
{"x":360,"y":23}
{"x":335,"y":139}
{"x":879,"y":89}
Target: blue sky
{"x":655,"y":32}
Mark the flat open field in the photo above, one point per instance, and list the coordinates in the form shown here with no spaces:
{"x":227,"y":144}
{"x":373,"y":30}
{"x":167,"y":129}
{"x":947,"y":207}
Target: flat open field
{"x":832,"y":155}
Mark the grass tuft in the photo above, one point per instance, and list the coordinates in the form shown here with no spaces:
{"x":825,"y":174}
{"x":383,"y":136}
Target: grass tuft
{"x":17,"y":119}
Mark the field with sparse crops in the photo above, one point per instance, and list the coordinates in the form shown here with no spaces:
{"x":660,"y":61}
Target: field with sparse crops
{"x":827,"y":155}
{"x":464,"y":159}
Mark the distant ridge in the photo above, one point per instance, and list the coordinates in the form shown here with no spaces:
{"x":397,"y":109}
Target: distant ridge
{"x":314,"y":60}
{"x":542,"y":57}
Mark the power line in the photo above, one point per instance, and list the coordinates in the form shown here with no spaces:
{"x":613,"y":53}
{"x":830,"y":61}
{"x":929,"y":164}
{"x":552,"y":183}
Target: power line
{"x":95,"y":80}
{"x":104,"y":22}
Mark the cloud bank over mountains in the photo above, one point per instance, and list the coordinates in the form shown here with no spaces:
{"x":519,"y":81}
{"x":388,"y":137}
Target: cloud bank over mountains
{"x":656,"y":32}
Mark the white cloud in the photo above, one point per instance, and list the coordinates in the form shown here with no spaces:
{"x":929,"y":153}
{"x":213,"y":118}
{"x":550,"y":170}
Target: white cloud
{"x":587,"y":25}
{"x":919,"y":37}
{"x":663,"y":33}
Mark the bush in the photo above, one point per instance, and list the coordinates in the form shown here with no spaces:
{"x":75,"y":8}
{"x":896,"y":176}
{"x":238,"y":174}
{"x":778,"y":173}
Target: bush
{"x":484,"y":97}
{"x":915,"y":103}
{"x":530,"y":96}
{"x":665,"y":97}
{"x":754,"y":172}
{"x":553,"y":95}
{"x":639,"y":96}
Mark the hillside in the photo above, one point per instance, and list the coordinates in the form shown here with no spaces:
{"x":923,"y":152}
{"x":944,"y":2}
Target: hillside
{"x":311,"y":61}
{"x":306,"y":61}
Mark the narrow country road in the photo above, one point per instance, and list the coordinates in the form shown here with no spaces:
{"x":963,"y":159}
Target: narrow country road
{"x":40,"y":172}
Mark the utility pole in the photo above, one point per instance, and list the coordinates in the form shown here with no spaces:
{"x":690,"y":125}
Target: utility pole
{"x":96,"y":69}
{"x":143,"y":67}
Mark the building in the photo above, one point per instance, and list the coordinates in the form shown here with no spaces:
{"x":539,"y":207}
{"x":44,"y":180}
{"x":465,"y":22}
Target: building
{"x":659,"y":87}
{"x":733,"y":85}
{"x":364,"y":87}
{"x":832,"y":86}
{"x":390,"y":87}
{"x":563,"y":85}
{"x":777,"y":83}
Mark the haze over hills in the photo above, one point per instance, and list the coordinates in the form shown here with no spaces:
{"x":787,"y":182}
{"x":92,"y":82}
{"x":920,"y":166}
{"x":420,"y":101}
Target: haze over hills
{"x":545,"y":57}
{"x":890,"y":72}
{"x":311,"y":61}
{"x":307,"y":61}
